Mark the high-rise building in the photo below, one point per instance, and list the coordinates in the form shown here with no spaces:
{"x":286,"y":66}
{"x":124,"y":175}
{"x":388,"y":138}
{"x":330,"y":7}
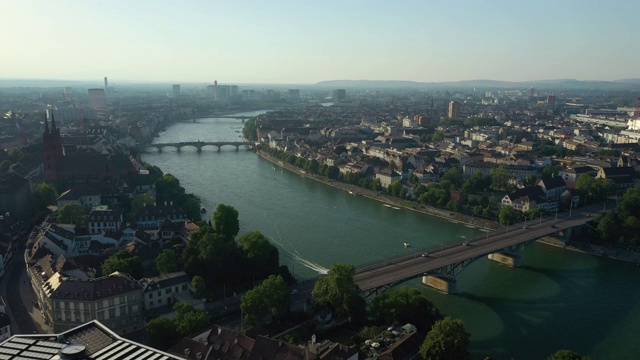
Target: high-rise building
{"x":454,"y":109}
{"x":106,"y":84}
{"x":215,"y":90}
{"x":97,"y":99}
{"x":210,"y":91}
{"x":233,"y":91}
{"x":176,"y":90}
{"x":551,"y":100}
{"x":339,"y":95}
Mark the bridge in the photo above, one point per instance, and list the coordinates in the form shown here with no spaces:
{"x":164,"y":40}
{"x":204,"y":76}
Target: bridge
{"x":194,"y":118}
{"x":198,"y":145}
{"x":442,"y":263}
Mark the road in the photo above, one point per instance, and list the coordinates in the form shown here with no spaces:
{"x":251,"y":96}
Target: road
{"x":16,"y":290}
{"x":393,"y":270}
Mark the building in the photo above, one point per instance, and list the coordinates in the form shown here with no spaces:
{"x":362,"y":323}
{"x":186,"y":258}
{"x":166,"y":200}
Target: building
{"x":68,"y":295}
{"x":165,"y":289}
{"x":97,"y":99}
{"x":15,"y":195}
{"x":89,"y":341}
{"x":388,"y":177}
{"x":176,"y":90}
{"x":454,"y":109}
{"x":103,"y":219}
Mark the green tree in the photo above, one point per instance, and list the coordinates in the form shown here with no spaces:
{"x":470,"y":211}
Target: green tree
{"x":508,"y":215}
{"x":608,"y":227}
{"x":225,"y":221}
{"x":249,"y":130}
{"x":338,"y":290}
{"x":270,"y":299}
{"x":499,"y":178}
{"x":406,"y":305}
{"x":629,"y":204}
{"x":551,"y":171}
{"x":198,"y":284}
{"x":258,"y":251}
{"x":437,"y":136}
{"x":189,"y":319}
{"x":447,"y":340}
{"x":567,"y":355}
{"x":167,"y":261}
{"x":333,"y":172}
{"x":168,"y":189}
{"x":455,"y":176}
{"x":139,"y":201}
{"x":44,"y":195}
{"x":15,"y":155}
{"x":73,"y":214}
{"x":162,"y":333}
{"x":124,"y":262}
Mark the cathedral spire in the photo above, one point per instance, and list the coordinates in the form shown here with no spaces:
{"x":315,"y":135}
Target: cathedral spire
{"x":46,"y":123}
{"x":53,"y":123}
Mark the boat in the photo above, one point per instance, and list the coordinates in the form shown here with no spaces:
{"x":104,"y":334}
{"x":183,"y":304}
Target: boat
{"x":406,"y":244}
{"x":274,"y":168}
{"x":386,"y":205}
{"x":395,"y":208}
{"x":351,"y":192}
{"x":203,"y":210}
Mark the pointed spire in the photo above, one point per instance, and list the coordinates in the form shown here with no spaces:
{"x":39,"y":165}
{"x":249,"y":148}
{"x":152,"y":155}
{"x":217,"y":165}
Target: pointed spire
{"x":46,"y":123}
{"x":53,"y":123}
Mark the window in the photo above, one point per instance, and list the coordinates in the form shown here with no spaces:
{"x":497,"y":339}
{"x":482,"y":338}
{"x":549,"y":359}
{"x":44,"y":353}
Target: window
{"x":101,"y":315}
{"x":110,"y":302}
{"x":123,"y":310}
{"x":151,"y":303}
{"x":184,"y":287}
{"x":150,"y":295}
{"x":123,"y":299}
{"x":159,"y":293}
{"x":112,"y":313}
{"x":168,"y":291}
{"x":99,"y":305}
{"x":159,"y":301}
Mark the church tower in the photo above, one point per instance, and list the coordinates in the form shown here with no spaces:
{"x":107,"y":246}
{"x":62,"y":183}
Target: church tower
{"x":52,"y":152}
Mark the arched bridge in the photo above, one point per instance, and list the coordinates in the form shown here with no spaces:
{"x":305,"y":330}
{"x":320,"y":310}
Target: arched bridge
{"x":198,"y":145}
{"x":449,"y":259}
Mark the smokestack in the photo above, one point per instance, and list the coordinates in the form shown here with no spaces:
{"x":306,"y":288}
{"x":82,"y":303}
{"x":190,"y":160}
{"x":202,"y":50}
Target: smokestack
{"x":106,"y":84}
{"x":215,"y":90}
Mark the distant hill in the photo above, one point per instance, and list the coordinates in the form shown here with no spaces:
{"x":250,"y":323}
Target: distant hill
{"x":565,"y":84}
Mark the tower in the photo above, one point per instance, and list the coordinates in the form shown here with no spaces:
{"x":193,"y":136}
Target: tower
{"x":215,"y":90}
{"x":52,"y":152}
{"x":106,"y":84}
{"x":454,"y":109}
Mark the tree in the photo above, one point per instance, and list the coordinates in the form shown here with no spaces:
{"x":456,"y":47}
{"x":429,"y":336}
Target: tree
{"x":73,"y":214}
{"x":161,"y":332}
{"x":406,"y":305}
{"x":258,"y":251}
{"x":437,"y":136}
{"x":508,"y":215}
{"x":455,"y":176}
{"x":167,"y":261}
{"x":139,"y":201}
{"x":168,"y":188}
{"x":338,"y":290}
{"x":124,"y":262}
{"x":225,"y":221}
{"x":333,"y":172}
{"x":550,"y":171}
{"x":499,"y":178}
{"x":567,"y":355}
{"x":189,"y":319}
{"x":271,"y":299}
{"x":44,"y":195}
{"x":608,"y":226}
{"x":447,"y":340}
{"x":199,"y":285}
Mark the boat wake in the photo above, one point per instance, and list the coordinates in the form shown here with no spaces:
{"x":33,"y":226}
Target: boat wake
{"x":309,"y":264}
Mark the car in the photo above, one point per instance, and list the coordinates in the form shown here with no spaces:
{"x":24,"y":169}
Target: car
{"x":425,"y":254}
{"x":294,"y":291}
{"x":466,"y":243}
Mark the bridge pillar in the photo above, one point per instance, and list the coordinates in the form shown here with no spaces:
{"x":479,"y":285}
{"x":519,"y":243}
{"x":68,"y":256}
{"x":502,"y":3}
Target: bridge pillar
{"x":505,"y":258}
{"x":237,"y":148}
{"x":179,"y":148}
{"x":444,"y":283}
{"x":199,"y":148}
{"x":159,"y":148}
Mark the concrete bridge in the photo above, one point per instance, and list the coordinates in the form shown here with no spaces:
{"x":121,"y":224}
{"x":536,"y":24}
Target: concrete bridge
{"x":198,"y":145}
{"x":439,"y":268}
{"x":194,"y":118}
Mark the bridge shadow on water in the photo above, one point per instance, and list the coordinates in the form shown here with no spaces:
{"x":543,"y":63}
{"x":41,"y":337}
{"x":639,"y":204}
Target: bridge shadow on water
{"x":552,"y":309}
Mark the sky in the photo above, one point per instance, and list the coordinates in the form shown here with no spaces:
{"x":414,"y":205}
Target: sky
{"x":307,"y":41}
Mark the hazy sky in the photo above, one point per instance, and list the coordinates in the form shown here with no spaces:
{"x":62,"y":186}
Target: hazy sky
{"x":306,"y":41}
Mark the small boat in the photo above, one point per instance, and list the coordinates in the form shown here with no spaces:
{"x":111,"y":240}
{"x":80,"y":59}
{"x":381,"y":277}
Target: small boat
{"x":386,"y":205}
{"x":406,"y":244}
{"x":274,"y":168}
{"x":395,"y":208}
{"x":203,"y":210}
{"x":351,"y":192}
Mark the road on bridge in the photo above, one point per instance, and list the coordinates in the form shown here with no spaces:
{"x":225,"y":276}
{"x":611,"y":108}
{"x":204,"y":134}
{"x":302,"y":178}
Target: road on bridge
{"x":394,"y":270}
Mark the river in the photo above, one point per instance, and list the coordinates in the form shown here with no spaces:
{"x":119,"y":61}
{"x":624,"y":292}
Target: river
{"x":558,"y":300}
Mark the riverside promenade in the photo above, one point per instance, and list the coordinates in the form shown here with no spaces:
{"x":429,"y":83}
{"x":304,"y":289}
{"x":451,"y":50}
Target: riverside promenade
{"x":387,"y":199}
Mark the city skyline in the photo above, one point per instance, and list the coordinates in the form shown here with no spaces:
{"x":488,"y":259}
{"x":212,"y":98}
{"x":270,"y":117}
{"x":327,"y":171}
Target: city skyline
{"x":304,"y":43}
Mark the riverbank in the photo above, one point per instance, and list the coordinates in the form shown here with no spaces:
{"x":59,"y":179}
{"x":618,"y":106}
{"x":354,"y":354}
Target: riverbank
{"x":602,"y":251}
{"x":387,"y":199}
